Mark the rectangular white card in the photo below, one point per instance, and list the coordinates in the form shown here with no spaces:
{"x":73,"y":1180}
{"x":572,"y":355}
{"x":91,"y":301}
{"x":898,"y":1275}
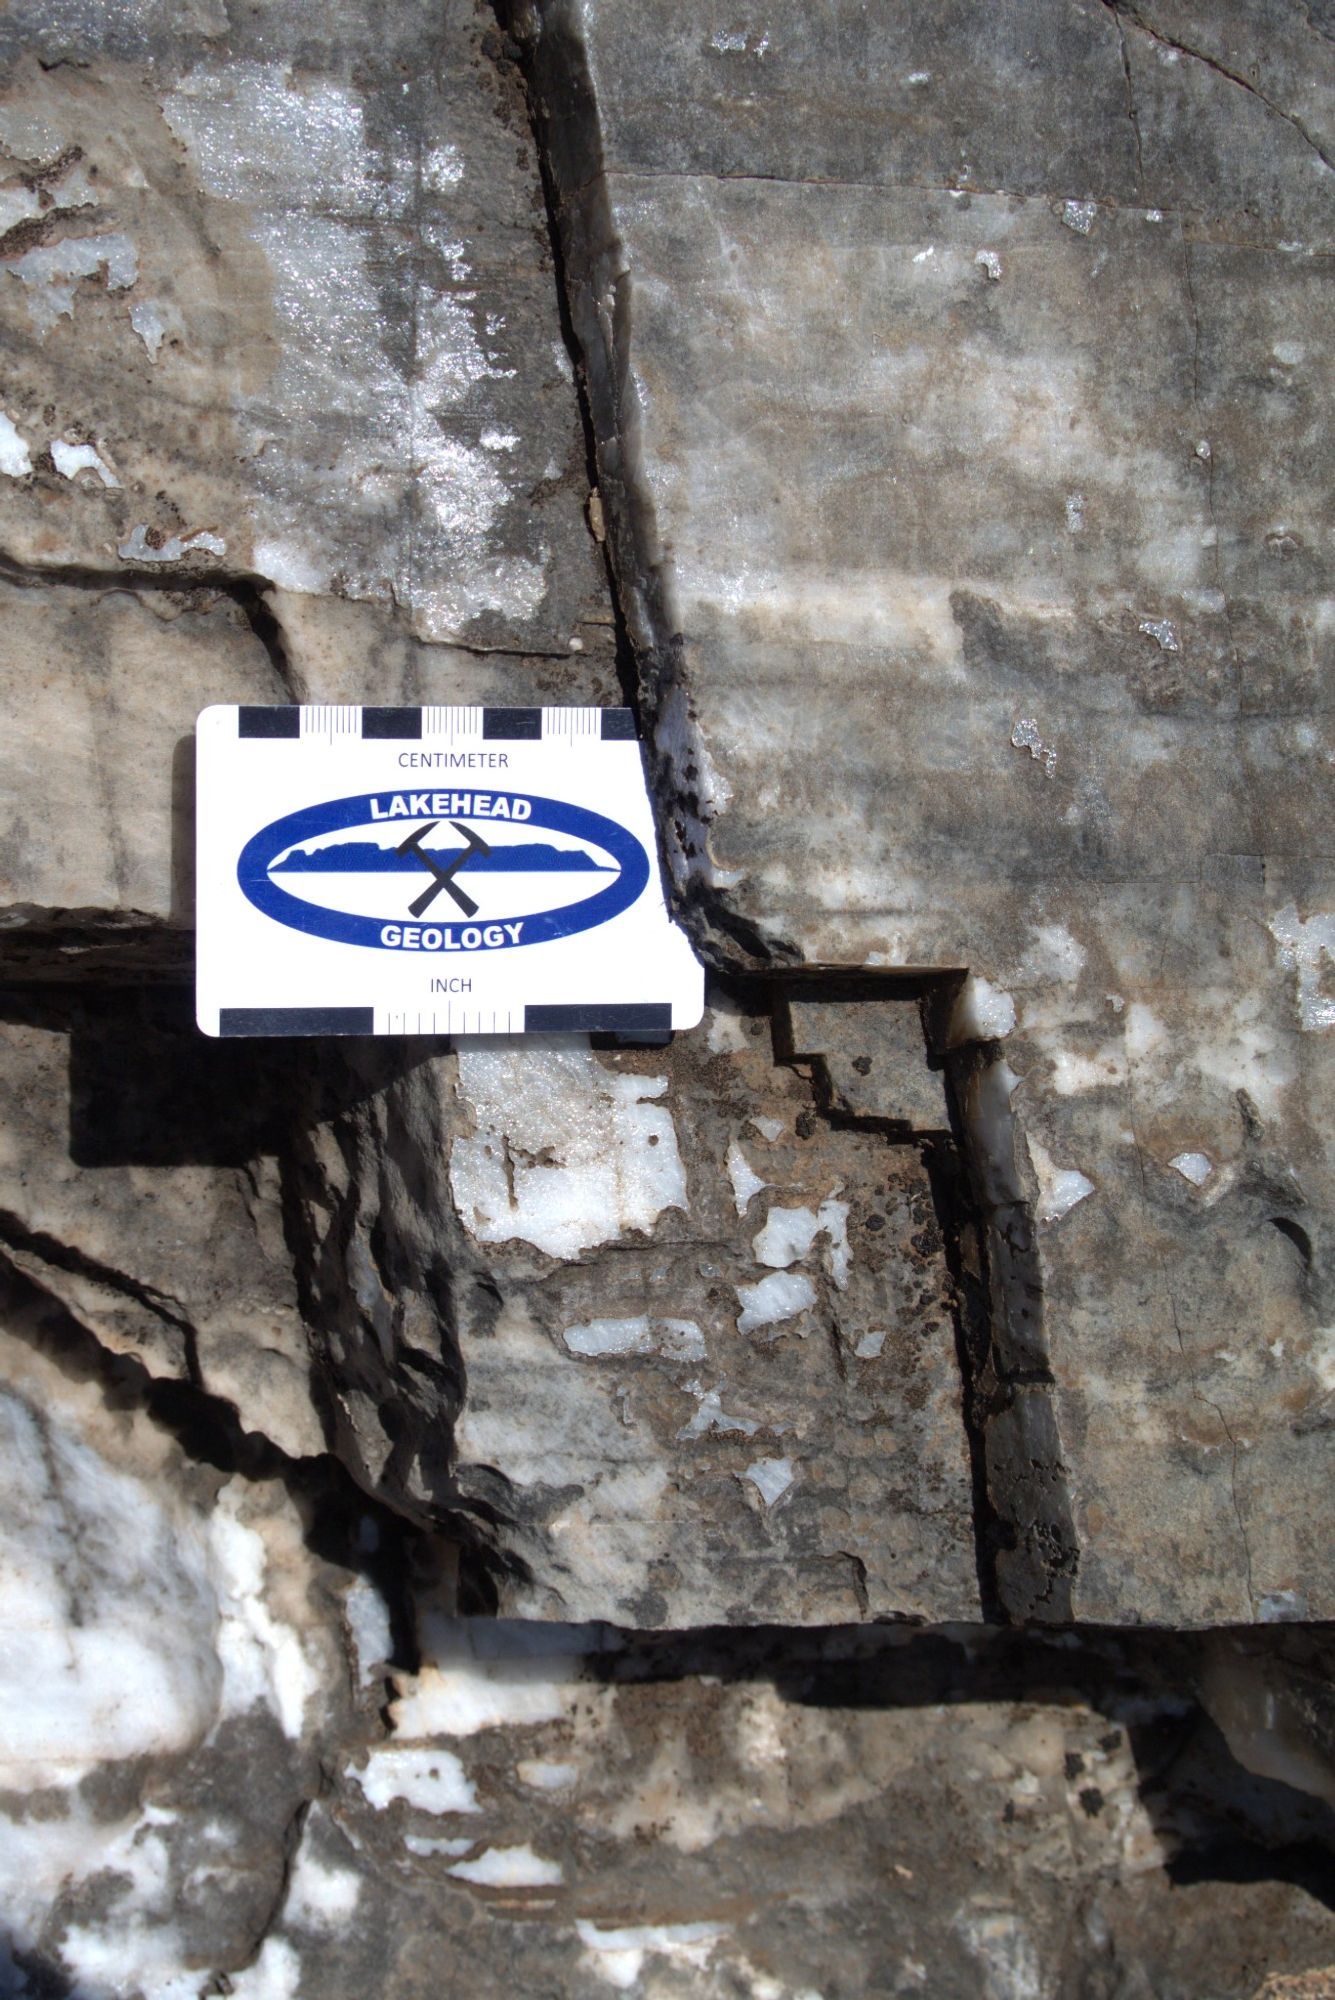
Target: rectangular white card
{"x":431,"y":871}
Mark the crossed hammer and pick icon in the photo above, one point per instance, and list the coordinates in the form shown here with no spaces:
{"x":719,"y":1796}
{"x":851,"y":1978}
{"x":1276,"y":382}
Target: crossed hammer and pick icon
{"x":444,"y":876}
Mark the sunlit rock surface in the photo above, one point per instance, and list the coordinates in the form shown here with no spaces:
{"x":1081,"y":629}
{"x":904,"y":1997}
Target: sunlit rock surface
{"x":289,"y":282}
{"x":172,"y":1663}
{"x":746,"y":1408}
{"x":544,"y":1518}
{"x":959,"y":382}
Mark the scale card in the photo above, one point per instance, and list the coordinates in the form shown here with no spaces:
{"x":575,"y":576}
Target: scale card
{"x":431,"y":871}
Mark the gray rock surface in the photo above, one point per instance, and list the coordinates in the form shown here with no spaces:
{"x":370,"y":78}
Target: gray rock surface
{"x":542,"y":1518}
{"x":960,"y":452}
{"x":292,"y":287}
{"x":140,"y":1188}
{"x":698,"y":1345}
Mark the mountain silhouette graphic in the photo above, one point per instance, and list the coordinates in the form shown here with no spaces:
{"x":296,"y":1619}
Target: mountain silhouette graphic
{"x":364,"y":857}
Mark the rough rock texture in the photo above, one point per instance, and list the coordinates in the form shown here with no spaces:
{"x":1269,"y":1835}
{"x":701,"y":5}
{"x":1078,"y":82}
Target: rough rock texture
{"x":754,"y":1413}
{"x":288,"y":283}
{"x":173,"y":1662}
{"x":542,"y":1518}
{"x":700,"y":1347}
{"x":635,"y":1819}
{"x":286,"y":394}
{"x":958,"y":376}
{"x":139,"y":1186}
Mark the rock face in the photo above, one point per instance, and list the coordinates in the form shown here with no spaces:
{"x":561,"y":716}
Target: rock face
{"x":280,"y":305}
{"x":836,"y":1505}
{"x":960,"y":452}
{"x":754,"y":1414}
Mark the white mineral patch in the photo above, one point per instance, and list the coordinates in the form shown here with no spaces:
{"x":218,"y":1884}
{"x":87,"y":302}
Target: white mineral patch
{"x":367,"y":1616}
{"x":455,"y":1693}
{"x":565,"y":1154}
{"x":786,"y":1237}
{"x":618,"y":1956}
{"x":432,"y":1780}
{"x":108,"y":1612}
{"x":789,"y":1233}
{"x":1144,"y":1032}
{"x":1079,"y":216}
{"x":1003,"y":1948}
{"x":1164,"y":632}
{"x":1025,"y":736}
{"x":15,"y":458}
{"x":289,"y":566}
{"x":70,"y":459}
{"x":1323,"y":1356}
{"x":296,"y":152}
{"x":1075,"y":513}
{"x":17,"y":204}
{"x":247,"y":123}
{"x":509,"y":1868}
{"x":540,"y":1775}
{"x":461,"y":1700}
{"x":1302,"y":948}
{"x":319,"y":1898}
{"x":870,"y":1345}
{"x":746,"y":1182}
{"x":982,"y":1013}
{"x":153,"y":322}
{"x":136,"y":1947}
{"x":427,"y":1850}
{"x":262,"y":1657}
{"x":711,"y":1415}
{"x":1053,"y":956}
{"x":770,"y":1128}
{"x":990,"y":262}
{"x":772,"y":1300}
{"x":442,"y":168}
{"x":676,"y":1339}
{"x":1059,"y":1188}
{"x":771,"y":1477}
{"x":275,"y":1975}
{"x":1194,"y":1167}
{"x":51,"y":273}
{"x":138,"y":548}
{"x":511,"y":585}
{"x":838,"y":1258}
{"x":726,"y":1031}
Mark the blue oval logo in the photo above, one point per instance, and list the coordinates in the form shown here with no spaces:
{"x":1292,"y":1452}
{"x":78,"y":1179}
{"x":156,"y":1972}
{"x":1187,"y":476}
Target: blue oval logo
{"x":442,"y":870}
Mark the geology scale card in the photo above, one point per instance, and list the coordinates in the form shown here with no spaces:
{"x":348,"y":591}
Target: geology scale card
{"x":431,"y":871}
